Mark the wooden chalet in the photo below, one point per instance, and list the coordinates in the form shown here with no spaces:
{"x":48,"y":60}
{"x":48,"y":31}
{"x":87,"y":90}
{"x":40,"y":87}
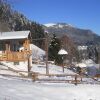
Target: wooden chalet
{"x":15,"y":46}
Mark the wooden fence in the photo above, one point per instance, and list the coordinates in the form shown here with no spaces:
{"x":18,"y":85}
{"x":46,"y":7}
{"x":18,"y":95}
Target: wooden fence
{"x":66,"y":78}
{"x":54,"y":78}
{"x":15,"y":56}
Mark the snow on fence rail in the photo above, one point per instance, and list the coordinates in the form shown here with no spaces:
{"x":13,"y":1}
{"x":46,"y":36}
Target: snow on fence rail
{"x":59,"y":78}
{"x":67,"y":78}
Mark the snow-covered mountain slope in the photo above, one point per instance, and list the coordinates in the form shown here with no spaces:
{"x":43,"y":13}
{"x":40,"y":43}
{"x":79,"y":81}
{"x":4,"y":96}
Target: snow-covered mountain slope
{"x":49,"y":24}
{"x":58,"y":25}
{"x":78,"y":35}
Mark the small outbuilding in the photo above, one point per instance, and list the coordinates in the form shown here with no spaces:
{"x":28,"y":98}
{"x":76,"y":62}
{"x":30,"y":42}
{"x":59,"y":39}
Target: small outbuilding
{"x":15,"y":47}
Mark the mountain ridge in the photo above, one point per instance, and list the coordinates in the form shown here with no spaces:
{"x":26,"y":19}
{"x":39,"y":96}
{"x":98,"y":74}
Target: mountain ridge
{"x":78,"y":35}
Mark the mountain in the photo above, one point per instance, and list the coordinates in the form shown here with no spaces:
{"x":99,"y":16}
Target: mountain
{"x":11,"y":20}
{"x":79,"y":36}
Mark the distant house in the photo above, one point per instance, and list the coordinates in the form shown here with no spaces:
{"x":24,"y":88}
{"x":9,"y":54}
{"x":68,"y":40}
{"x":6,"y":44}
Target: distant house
{"x":15,"y":47}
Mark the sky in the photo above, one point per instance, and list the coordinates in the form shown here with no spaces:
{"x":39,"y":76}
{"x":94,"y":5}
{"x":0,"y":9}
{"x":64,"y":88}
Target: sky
{"x":83,"y":14}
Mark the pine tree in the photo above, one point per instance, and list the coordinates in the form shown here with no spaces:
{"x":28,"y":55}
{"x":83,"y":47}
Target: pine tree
{"x":96,"y":55}
{"x":54,"y":49}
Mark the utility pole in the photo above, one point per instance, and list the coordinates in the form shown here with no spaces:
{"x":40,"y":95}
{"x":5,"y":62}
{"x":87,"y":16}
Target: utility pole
{"x":46,"y":49}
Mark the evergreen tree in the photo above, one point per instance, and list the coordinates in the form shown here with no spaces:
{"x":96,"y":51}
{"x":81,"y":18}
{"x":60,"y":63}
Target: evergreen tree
{"x":96,"y":55}
{"x":93,"y":53}
{"x":54,"y":49}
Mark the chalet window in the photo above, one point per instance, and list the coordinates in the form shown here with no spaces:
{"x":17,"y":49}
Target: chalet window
{"x":14,"y":47}
{"x":2,"y":47}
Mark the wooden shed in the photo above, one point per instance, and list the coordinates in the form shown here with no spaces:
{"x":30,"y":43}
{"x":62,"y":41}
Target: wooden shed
{"x":15,"y":46}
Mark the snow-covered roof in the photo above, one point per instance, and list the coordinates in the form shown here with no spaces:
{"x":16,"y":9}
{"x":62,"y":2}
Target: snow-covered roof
{"x":36,"y":48}
{"x":62,"y":52}
{"x":89,"y":62}
{"x":82,"y":65}
{"x":14,"y":35}
{"x":37,"y":53}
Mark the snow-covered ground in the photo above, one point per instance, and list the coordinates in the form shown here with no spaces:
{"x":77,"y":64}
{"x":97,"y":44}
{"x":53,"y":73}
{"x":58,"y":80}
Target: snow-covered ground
{"x":5,"y":70}
{"x":53,"y":69}
{"x":15,"y":89}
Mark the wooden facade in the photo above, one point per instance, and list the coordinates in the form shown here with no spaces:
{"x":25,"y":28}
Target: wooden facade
{"x":15,"y":50}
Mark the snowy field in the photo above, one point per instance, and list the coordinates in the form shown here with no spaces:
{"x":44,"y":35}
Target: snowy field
{"x":53,"y":69}
{"x":24,"y":89}
{"x":18,"y":89}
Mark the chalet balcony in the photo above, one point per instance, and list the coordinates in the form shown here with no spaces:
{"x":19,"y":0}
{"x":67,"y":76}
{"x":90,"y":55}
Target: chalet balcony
{"x":15,"y":56}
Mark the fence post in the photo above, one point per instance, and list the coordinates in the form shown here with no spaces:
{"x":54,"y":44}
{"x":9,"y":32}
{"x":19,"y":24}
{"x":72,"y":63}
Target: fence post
{"x":75,"y":79}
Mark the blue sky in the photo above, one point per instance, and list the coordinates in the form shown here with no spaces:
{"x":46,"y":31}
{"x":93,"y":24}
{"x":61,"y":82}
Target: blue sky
{"x":80,"y":13}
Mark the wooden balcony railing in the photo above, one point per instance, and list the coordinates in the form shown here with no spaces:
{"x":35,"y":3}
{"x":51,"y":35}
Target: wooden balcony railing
{"x":15,"y":56}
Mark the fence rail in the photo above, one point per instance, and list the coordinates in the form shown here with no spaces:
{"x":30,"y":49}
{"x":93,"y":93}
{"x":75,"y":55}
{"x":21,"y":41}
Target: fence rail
{"x":75,"y":79}
{"x":56,"y":78}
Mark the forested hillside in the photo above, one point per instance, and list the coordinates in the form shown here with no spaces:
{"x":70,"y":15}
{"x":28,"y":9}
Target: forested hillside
{"x":11,"y":20}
